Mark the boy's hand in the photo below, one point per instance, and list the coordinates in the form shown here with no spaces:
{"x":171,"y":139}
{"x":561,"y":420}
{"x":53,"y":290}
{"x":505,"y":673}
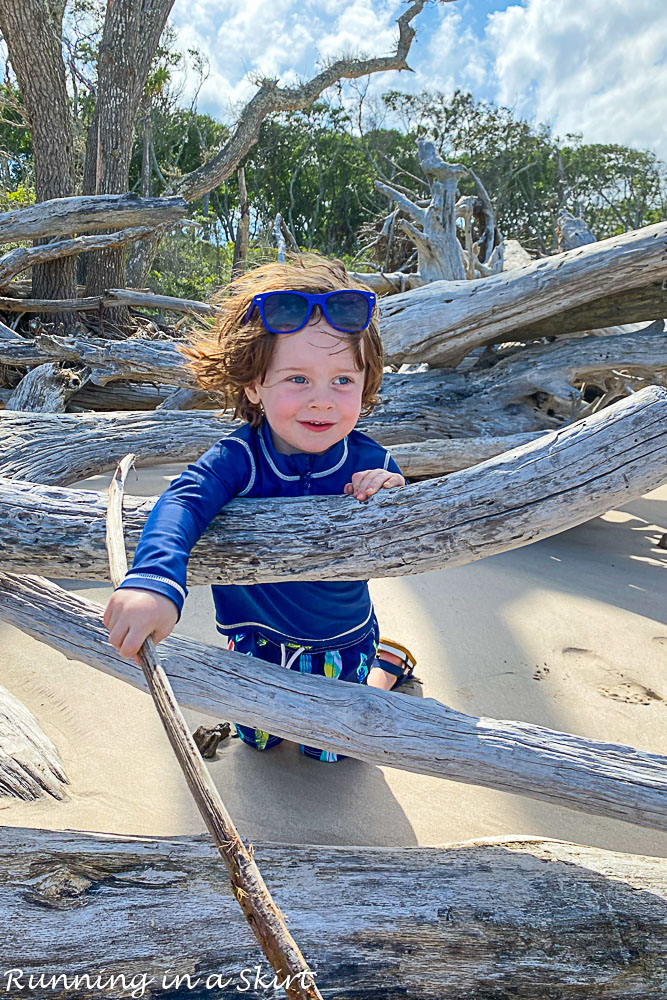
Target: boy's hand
{"x":133,"y":615}
{"x":365,"y":484}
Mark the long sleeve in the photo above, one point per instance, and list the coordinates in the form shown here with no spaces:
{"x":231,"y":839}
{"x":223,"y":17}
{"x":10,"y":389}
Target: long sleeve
{"x":182,"y":514}
{"x":392,"y":466}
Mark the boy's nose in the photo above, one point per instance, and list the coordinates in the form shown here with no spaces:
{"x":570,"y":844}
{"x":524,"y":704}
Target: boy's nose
{"x":321,"y":398}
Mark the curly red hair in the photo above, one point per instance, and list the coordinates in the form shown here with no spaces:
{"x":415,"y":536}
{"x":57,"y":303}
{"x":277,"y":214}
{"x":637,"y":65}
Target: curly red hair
{"x":231,"y":355}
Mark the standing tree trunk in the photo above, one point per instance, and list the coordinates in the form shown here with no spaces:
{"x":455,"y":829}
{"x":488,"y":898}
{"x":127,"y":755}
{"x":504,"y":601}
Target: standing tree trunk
{"x":131,"y":33}
{"x":242,"y":230}
{"x":146,"y":167}
{"x":32,"y":30}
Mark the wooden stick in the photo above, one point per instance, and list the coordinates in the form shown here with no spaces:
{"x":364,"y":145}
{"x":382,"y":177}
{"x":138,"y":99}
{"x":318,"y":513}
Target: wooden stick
{"x":248,"y":886}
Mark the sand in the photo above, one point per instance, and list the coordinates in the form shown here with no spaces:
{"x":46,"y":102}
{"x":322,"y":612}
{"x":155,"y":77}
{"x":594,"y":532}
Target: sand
{"x":569,"y":633}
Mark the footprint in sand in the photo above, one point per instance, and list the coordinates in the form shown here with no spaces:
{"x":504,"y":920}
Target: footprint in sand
{"x":611,"y":683}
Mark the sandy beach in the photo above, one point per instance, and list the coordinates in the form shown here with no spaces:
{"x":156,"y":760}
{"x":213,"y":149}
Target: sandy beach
{"x":569,"y":633}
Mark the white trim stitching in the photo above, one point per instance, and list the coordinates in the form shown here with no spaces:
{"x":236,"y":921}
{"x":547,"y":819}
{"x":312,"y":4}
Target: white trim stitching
{"x":159,"y":579}
{"x":294,"y":638}
{"x":387,"y":461}
{"x":270,"y":460}
{"x":253,"y":470}
{"x":336,"y":467}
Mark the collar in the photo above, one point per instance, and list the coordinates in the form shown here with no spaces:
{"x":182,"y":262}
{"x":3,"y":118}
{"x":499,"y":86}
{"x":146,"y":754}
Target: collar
{"x":291,"y":467}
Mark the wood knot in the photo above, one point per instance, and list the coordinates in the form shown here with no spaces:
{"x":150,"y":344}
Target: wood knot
{"x":59,"y":889}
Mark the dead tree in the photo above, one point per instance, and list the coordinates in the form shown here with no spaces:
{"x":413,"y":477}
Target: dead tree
{"x":431,"y":226}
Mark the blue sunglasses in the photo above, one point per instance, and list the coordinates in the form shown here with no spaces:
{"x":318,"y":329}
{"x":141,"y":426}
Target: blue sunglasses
{"x":348,"y":311}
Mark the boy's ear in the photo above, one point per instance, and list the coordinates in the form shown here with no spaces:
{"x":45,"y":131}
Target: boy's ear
{"x":251,"y":393}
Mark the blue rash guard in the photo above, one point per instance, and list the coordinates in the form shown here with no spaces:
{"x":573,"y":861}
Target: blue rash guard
{"x":319,"y":614}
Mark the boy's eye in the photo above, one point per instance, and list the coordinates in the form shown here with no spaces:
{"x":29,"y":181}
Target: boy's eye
{"x":344,"y":380}
{"x":295,"y":378}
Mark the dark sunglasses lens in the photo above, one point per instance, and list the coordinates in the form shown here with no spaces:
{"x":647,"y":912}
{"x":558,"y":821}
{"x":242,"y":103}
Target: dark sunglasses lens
{"x":285,"y":311}
{"x":348,"y":311}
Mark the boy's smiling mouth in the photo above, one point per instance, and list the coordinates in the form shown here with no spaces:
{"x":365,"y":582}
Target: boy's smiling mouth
{"x":316,"y":425}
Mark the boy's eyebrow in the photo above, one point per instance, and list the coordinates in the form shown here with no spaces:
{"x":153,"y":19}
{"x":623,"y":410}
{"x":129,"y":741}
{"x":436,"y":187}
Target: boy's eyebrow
{"x":298,"y":368}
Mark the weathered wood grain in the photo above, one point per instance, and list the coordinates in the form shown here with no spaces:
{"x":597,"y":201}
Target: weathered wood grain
{"x":22,"y":258}
{"x":59,"y":450}
{"x":559,"y":480}
{"x":444,"y":321}
{"x":520,"y":919}
{"x":47,"y":388}
{"x":380,"y":727}
{"x":30,"y":765}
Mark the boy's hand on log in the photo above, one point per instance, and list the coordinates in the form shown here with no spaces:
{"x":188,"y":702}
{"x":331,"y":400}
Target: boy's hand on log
{"x":365,"y":484}
{"x":133,"y":615}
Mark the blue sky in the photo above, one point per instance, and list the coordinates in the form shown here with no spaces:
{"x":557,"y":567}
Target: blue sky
{"x":598,"y":67}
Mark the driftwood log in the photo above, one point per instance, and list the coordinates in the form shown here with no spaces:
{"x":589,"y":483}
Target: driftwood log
{"x":555,"y":482}
{"x":62,"y":216}
{"x":516,"y":919}
{"x":444,"y":321}
{"x":22,"y":258}
{"x":30,"y":765}
{"x":632,"y":305}
{"x":114,"y":297}
{"x":47,"y":388}
{"x":510,"y":392}
{"x":380,"y":727}
{"x":86,"y":444}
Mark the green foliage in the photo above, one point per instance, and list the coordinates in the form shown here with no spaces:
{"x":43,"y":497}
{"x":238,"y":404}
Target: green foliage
{"x":15,"y":151}
{"x":191,"y":267}
{"x":308,"y":166}
{"x":530,"y":174}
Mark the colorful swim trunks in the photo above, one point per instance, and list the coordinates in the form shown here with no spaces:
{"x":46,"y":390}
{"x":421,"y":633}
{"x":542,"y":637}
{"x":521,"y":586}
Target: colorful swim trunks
{"x":350,"y":663}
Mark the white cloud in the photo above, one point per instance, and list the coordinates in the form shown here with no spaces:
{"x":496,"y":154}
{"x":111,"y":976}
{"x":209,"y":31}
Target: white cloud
{"x":593,"y":66}
{"x":285,"y":39}
{"x":598,"y":67}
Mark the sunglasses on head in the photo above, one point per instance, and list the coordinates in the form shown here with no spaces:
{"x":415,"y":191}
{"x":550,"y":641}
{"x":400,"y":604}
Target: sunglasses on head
{"x":348,"y":311}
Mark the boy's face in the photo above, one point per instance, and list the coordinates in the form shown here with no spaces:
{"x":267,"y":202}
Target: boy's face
{"x":312,"y":391}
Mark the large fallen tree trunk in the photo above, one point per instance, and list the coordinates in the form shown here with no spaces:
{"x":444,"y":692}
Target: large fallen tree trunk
{"x":84,"y":445}
{"x":444,"y":321}
{"x":380,"y":727}
{"x":557,"y":481}
{"x":30,"y":765}
{"x":515,"y":919}
{"x":515,"y":392}
{"x":62,"y":216}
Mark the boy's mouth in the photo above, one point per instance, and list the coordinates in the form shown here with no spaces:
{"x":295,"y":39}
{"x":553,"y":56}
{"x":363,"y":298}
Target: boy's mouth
{"x":316,"y":425}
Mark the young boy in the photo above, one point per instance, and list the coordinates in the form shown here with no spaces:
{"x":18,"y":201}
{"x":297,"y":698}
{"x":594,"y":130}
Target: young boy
{"x":296,"y":351}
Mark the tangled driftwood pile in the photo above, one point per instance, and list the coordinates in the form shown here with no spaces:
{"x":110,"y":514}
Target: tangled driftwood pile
{"x":562,"y":435}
